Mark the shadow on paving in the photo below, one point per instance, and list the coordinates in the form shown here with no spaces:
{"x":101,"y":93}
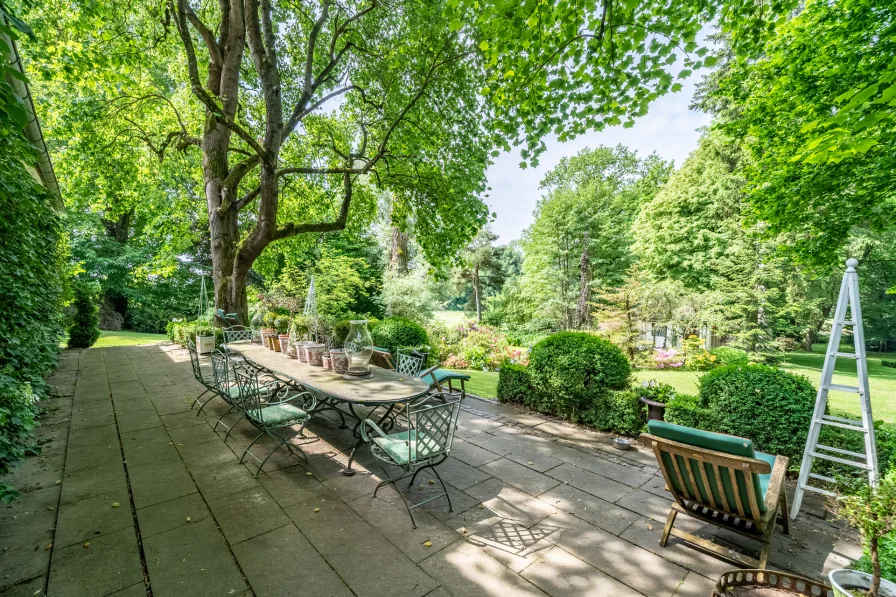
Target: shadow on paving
{"x":133,"y":492}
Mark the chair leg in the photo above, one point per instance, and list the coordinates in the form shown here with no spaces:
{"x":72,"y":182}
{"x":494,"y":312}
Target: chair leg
{"x":235,"y":423}
{"x":227,"y":412}
{"x":414,"y":477}
{"x":204,"y":404}
{"x":445,"y":489}
{"x":246,"y":451}
{"x":670,"y":520}
{"x":785,"y":513}
{"x":763,"y":555}
{"x":400,"y":493}
{"x":196,"y":401}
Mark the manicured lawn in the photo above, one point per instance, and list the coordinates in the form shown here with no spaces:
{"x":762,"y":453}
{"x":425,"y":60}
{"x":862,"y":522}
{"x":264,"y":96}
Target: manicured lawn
{"x":482,"y":383}
{"x":451,"y":317}
{"x":123,"y":338}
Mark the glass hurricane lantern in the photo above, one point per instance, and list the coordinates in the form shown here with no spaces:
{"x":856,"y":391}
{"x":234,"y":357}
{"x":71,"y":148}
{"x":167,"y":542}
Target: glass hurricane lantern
{"x":358,"y":349}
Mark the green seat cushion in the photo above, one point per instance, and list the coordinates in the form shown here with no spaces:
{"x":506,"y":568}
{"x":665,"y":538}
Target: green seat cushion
{"x":764,"y":479}
{"x":278,"y":414}
{"x":444,"y":374}
{"x":234,"y":391}
{"x":397,"y":446}
{"x":718,"y":442}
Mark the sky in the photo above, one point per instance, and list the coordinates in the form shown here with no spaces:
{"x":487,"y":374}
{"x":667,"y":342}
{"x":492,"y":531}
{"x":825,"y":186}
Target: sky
{"x":669,"y":128}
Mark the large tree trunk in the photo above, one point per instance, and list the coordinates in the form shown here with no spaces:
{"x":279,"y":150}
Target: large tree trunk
{"x":398,"y":257}
{"x":477,"y":296}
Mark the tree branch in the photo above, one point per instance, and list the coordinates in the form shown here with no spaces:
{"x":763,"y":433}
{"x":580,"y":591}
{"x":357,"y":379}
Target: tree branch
{"x":292,"y":229}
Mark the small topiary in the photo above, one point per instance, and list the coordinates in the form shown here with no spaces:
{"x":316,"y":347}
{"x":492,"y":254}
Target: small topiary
{"x":727,"y":355}
{"x":571,"y":370}
{"x":393,"y":333}
{"x":769,"y":406}
{"x":85,"y":329}
{"x":619,"y":412}
{"x":686,"y":409}
{"x":514,"y":384}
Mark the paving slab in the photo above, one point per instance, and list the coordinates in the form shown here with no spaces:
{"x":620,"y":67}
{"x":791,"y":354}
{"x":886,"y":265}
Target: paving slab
{"x":108,"y":564}
{"x":510,"y":502}
{"x":227,"y":479}
{"x":172,"y":514}
{"x":583,"y":505}
{"x":192,"y":560}
{"x":155,"y":483}
{"x":519,"y":476}
{"x":560,"y":574}
{"x":244,"y":515}
{"x":90,"y":518}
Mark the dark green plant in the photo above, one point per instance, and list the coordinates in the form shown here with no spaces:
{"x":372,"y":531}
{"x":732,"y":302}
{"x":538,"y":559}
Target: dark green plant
{"x":887,"y":363}
{"x":844,"y":439}
{"x":514,"y":384}
{"x":887,"y":552}
{"x":85,"y":329}
{"x":769,"y":406}
{"x":571,"y":370}
{"x":17,"y":410}
{"x":393,"y":333}
{"x":686,"y":409}
{"x":618,"y":411}
{"x":339,"y":332}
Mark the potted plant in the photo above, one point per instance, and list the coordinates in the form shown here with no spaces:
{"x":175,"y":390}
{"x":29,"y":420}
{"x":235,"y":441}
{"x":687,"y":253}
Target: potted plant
{"x":282,"y":325}
{"x":269,"y":321}
{"x":872,"y":511}
{"x":656,"y":395}
{"x":205,"y":337}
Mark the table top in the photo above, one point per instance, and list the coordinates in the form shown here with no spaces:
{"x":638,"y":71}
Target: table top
{"x":384,"y":387}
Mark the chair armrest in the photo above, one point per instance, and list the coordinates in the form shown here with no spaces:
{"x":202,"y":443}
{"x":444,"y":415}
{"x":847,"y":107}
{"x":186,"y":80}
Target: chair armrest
{"x":369,"y":423}
{"x":309,"y":404}
{"x":776,"y":483}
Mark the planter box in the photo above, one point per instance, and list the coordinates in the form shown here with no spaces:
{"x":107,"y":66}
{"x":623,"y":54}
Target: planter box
{"x":205,"y":344}
{"x":843,"y":580}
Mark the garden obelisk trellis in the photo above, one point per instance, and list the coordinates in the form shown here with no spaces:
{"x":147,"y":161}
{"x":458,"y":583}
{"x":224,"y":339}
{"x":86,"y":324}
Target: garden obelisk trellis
{"x":310,"y":310}
{"x":867,"y":461}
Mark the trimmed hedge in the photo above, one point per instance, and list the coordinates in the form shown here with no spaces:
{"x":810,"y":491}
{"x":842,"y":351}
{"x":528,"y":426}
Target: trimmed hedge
{"x":181,"y":331}
{"x":687,"y":410}
{"x":571,"y":371}
{"x":514,"y":384}
{"x":393,"y":333}
{"x":85,"y":330}
{"x":619,"y":412}
{"x":726,"y":355}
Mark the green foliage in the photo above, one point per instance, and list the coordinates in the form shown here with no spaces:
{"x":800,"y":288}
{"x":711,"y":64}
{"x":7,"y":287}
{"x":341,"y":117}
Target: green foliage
{"x":656,"y":391}
{"x":409,"y":296}
{"x":339,"y":332}
{"x":886,"y":363}
{"x":514,"y":384}
{"x":619,"y":411}
{"x":393,"y":333}
{"x":85,"y":329}
{"x":815,"y":111}
{"x":870,"y":510}
{"x":17,"y":412}
{"x":766,"y":405}
{"x":727,"y":355}
{"x":687,"y":410}
{"x":571,"y":370}
{"x":887,"y":552}
{"x":844,"y":439}
{"x":180,"y":332}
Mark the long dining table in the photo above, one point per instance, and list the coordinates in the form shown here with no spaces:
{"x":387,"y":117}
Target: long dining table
{"x":383,"y":390}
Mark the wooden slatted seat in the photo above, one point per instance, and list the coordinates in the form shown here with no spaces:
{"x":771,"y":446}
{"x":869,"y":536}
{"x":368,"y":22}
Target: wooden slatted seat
{"x":721,"y":480}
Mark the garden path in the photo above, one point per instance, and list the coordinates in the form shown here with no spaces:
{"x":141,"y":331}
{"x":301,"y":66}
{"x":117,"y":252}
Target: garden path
{"x":133,"y":494}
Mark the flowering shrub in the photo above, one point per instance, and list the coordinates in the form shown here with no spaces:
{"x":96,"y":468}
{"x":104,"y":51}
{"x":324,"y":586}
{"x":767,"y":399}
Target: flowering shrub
{"x":668,"y":358}
{"x":472,"y":346}
{"x":516,"y":356}
{"x":455,"y":362}
{"x":702,"y":360}
{"x":656,"y":391}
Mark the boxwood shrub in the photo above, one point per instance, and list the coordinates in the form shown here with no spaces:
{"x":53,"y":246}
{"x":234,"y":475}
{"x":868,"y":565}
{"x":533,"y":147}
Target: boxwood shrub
{"x":85,"y":330}
{"x":514,"y":384}
{"x":393,"y":333}
{"x":687,"y":410}
{"x":571,"y":371}
{"x":769,"y":406}
{"x":618,"y":411}
{"x":726,"y":355}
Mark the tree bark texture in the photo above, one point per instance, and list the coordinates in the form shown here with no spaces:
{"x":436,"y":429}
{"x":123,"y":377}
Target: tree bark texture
{"x":582,"y":314}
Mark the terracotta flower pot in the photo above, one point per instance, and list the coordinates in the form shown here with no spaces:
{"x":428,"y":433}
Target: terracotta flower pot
{"x":315,"y":354}
{"x":284,"y":343}
{"x":275,"y":342}
{"x":327,"y":362}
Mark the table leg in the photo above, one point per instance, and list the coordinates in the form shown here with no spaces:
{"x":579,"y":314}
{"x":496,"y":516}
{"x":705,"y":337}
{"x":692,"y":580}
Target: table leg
{"x":348,"y":471}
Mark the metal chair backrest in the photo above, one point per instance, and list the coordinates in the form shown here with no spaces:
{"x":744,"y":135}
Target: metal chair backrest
{"x":250,"y":392}
{"x":432,"y":428}
{"x":221,"y":372}
{"x":237,"y":333}
{"x":194,"y":362}
{"x":409,"y":362}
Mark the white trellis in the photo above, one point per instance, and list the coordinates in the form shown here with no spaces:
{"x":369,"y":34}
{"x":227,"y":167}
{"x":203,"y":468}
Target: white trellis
{"x":310,"y":310}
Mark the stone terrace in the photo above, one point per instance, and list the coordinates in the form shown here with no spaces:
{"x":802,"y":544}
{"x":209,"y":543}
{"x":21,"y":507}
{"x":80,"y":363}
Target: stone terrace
{"x":133,"y":494}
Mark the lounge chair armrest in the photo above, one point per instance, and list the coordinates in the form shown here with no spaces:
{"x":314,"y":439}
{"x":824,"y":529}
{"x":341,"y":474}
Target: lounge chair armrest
{"x":776,"y":482}
{"x":369,"y":423}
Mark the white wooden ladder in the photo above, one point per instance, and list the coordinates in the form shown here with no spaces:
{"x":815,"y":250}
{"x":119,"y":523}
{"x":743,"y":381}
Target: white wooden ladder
{"x":848,"y":302}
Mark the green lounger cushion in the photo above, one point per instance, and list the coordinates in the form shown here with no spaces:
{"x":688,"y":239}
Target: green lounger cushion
{"x":719,"y":442}
{"x":444,"y":374}
{"x":279,"y":414}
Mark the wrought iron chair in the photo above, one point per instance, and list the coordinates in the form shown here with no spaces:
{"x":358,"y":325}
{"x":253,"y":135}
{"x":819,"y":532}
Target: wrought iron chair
{"x":226,"y":386}
{"x":425,"y":445}
{"x":270,"y":416}
{"x":201,"y":377}
{"x":409,"y":361}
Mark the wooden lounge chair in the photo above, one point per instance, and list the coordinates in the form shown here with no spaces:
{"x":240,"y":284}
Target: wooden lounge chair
{"x":721,"y":480}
